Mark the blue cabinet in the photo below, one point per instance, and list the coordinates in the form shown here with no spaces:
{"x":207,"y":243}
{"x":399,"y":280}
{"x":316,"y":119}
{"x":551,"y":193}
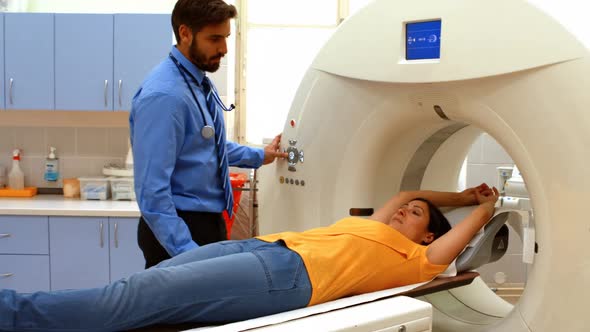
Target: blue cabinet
{"x":24,"y":249}
{"x":79,"y":252}
{"x":92,"y":251}
{"x":83,"y":62}
{"x":24,"y":235}
{"x":78,"y":62}
{"x":40,"y":253}
{"x":24,"y":273}
{"x":141,"y":42}
{"x":28,"y":61}
{"x":126,"y":257}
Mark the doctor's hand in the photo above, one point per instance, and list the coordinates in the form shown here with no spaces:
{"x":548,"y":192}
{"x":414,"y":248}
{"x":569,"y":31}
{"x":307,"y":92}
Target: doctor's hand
{"x":273,"y":150}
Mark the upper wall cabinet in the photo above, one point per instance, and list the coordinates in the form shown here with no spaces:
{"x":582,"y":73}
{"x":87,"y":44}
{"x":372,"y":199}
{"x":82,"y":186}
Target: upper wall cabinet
{"x":141,"y":42}
{"x":83,"y":62}
{"x":78,"y":62}
{"x":100,"y":60}
{"x":29,"y":74}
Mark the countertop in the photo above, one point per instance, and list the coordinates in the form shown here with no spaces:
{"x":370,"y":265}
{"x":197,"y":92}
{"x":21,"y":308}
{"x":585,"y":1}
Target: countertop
{"x":57,"y":205}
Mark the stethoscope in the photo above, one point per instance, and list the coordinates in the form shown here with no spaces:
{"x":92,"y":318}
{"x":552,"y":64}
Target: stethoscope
{"x":207,"y":131}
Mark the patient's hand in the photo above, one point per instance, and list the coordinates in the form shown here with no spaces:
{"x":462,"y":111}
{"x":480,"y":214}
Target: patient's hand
{"x":469,"y":195}
{"x":487,"y":195}
{"x":488,"y":198}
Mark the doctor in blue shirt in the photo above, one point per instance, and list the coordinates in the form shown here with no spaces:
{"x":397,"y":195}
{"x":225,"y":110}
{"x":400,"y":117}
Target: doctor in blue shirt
{"x":178,"y":138}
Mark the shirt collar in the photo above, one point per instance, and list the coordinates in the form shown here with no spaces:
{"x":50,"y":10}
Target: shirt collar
{"x":195,"y":72}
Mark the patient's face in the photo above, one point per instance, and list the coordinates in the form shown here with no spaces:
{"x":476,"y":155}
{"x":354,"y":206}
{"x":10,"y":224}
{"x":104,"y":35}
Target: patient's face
{"x":412,"y":221}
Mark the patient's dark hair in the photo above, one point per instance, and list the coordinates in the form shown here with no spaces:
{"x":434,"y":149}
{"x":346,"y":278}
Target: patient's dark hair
{"x":438,"y":223}
{"x":196,"y":14}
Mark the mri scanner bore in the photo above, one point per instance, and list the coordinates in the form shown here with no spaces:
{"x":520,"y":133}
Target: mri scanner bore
{"x":374,"y":118}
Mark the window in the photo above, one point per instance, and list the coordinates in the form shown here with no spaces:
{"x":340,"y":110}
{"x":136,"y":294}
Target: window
{"x":293,"y":12}
{"x":282,"y":39}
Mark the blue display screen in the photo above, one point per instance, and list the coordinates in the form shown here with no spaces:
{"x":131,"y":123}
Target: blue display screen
{"x":423,"y":40}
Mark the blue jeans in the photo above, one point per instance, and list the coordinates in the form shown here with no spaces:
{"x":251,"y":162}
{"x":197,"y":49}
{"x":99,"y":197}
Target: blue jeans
{"x":220,"y":282}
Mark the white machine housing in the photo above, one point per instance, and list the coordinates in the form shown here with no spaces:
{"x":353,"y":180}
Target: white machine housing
{"x":368,"y":123}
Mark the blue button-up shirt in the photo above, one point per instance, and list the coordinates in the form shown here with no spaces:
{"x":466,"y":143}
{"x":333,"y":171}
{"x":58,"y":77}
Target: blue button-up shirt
{"x":174,"y":166}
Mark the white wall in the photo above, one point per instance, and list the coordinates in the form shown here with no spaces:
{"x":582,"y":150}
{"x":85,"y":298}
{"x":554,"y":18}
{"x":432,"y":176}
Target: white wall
{"x":483,"y":159}
{"x":101,"y":6}
{"x":13,"y":5}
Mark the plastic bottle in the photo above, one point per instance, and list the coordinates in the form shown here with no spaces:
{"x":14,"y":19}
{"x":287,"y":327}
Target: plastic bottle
{"x":51,"y":166}
{"x":16,"y":177}
{"x":129,"y":158}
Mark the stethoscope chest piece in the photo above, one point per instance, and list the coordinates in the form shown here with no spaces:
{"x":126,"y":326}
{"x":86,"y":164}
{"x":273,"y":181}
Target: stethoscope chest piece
{"x":207,"y":132}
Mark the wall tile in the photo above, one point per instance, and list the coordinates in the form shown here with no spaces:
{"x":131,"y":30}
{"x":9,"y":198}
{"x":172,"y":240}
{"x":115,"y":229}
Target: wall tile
{"x":117,"y":142}
{"x":97,"y":164}
{"x":7,"y":143}
{"x":82,"y":152}
{"x":73,"y":167}
{"x":31,"y":140}
{"x":92,"y":142}
{"x":6,"y":163}
{"x":63,"y":139}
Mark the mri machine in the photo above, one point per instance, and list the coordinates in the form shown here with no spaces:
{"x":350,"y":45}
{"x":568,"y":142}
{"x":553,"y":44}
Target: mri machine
{"x":394,"y":100}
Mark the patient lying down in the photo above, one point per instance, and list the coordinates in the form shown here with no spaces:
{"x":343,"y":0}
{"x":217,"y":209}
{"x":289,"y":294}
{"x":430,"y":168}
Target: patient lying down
{"x":406,"y":241}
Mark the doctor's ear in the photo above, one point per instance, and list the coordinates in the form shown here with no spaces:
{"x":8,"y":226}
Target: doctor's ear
{"x":186,"y":34}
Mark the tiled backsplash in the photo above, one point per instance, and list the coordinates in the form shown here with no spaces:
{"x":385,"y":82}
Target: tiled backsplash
{"x":82,"y":151}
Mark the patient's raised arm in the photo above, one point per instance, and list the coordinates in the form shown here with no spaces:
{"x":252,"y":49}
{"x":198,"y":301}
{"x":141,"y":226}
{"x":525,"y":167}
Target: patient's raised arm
{"x":444,"y":249}
{"x":438,"y":198}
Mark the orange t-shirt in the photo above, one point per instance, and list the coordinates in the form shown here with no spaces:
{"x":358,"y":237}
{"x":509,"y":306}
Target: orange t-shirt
{"x":356,"y":256}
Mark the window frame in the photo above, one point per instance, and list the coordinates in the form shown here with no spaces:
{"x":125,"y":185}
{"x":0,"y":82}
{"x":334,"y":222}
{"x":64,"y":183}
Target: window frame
{"x":239,"y":125}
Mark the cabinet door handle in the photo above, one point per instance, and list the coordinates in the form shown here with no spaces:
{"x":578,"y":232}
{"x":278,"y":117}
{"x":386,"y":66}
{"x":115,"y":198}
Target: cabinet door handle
{"x":116,"y":235}
{"x":5,"y":235}
{"x":6,"y":275}
{"x":10,"y":91}
{"x":102,"y":234}
{"x":120,"y":97}
{"x":106,"y":93}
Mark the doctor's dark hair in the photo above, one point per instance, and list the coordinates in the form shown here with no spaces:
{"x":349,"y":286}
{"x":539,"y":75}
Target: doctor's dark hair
{"x":196,"y":14}
{"x":438,"y":223}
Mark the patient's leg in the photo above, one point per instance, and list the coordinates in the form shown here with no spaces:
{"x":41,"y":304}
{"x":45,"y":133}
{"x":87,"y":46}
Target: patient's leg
{"x":212,"y":250}
{"x":268,"y":280}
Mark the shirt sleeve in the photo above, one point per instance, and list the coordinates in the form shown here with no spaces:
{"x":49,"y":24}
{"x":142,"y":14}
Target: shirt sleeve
{"x":244,"y":156}
{"x":157,"y":136}
{"x":429,"y":270}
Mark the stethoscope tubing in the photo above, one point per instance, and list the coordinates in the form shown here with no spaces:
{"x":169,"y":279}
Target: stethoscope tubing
{"x":207,"y":131}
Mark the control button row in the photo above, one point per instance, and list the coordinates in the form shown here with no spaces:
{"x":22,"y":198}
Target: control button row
{"x":297,"y":182}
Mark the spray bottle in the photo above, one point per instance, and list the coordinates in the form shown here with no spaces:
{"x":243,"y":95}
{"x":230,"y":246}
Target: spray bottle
{"x":51,"y":166}
{"x":16,"y":177}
